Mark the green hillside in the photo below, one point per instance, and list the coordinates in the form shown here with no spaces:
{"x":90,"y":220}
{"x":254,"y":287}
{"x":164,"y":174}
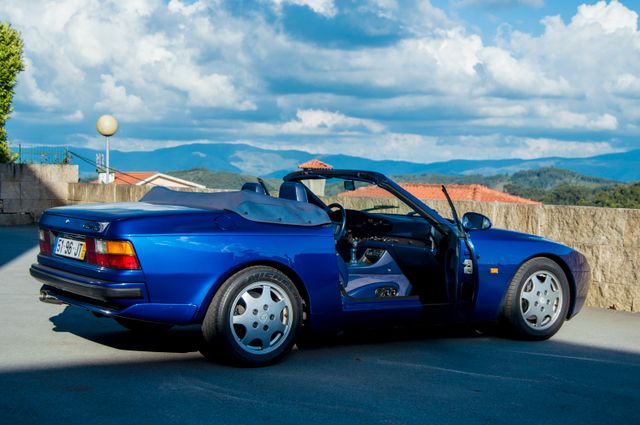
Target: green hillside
{"x":539,"y":178}
{"x":221,"y":179}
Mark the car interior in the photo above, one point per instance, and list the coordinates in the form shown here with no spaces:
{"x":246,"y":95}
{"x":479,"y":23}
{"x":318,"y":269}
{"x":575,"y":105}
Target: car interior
{"x":379,"y":254}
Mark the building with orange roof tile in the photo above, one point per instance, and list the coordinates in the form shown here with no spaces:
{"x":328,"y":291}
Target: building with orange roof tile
{"x":152,"y":178}
{"x":458,"y":192}
{"x":317,"y":186}
{"x":315,"y":164}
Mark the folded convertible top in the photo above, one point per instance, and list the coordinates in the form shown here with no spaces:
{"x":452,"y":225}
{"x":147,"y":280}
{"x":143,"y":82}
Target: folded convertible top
{"x":250,"y":205}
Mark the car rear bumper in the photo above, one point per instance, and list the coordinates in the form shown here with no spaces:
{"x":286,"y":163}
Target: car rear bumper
{"x":107,"y":298}
{"x":86,"y":287}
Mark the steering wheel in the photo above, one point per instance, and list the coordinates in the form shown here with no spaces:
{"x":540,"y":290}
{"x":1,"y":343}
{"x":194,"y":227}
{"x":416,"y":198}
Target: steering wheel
{"x":339,"y":227}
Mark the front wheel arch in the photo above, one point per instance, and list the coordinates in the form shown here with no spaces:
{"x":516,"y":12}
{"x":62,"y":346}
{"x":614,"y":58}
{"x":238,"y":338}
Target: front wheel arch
{"x":567,"y":272}
{"x":514,"y":320}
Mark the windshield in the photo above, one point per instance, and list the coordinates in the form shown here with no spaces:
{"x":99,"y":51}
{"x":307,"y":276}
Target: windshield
{"x":357,"y":195}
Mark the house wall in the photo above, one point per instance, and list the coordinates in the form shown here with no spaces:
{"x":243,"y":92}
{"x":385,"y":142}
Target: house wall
{"x":161,"y":181}
{"x":26,"y":190}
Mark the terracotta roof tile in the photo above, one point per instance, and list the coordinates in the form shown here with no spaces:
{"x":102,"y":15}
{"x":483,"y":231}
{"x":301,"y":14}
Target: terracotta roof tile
{"x":458,"y":192}
{"x":315,"y":164}
{"x":133,"y":177}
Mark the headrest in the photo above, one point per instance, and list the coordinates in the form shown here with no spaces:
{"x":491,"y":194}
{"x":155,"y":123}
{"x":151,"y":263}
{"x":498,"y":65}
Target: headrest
{"x":253,"y":187}
{"x":294,"y":191}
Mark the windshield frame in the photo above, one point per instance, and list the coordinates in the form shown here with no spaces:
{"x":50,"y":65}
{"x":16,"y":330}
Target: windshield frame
{"x":381,"y":181}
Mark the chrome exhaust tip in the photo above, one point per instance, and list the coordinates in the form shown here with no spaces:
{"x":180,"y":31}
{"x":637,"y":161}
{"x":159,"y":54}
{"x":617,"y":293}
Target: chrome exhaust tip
{"x":49,"y":299}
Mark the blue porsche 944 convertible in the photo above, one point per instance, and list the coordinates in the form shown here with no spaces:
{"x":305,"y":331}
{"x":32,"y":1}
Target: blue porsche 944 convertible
{"x":256,"y":270}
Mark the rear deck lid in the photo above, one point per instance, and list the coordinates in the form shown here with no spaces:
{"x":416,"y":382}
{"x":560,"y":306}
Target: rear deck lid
{"x":94,"y":218}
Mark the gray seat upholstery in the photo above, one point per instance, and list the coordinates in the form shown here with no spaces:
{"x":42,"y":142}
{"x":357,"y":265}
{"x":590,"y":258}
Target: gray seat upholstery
{"x":294,"y":191}
{"x":253,"y":187}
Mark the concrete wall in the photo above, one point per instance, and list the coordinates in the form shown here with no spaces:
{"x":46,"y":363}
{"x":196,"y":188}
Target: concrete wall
{"x":26,"y":190}
{"x":608,"y":237}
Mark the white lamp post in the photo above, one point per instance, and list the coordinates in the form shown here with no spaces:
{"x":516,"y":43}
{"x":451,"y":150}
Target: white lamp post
{"x":107,"y":125}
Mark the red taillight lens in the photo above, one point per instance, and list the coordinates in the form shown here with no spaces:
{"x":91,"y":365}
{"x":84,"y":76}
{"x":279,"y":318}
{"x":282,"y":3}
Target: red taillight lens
{"x":44,"y":239}
{"x":112,"y":254}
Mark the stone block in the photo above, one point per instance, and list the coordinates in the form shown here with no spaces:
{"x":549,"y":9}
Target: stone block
{"x":35,"y":206}
{"x":31,"y":190}
{"x":12,"y":206}
{"x":15,"y":219}
{"x":55,"y":191}
{"x":632,"y":228}
{"x":620,"y":297}
{"x":602,"y":226}
{"x":9,"y":190}
{"x":623,"y":267}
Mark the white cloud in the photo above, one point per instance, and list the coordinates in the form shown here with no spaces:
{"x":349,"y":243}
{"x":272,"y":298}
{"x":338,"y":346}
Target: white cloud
{"x":204,"y":68}
{"x":326,"y":8}
{"x":76,"y":116}
{"x":35,"y":94}
{"x":541,"y":148}
{"x":313,"y":120}
{"x":116,"y":100}
{"x":499,"y":3}
{"x":610,"y":17}
{"x":317,"y":122}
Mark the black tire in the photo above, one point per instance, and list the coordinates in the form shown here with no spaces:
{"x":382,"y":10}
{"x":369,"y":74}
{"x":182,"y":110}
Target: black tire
{"x":537,"y":301}
{"x":141,"y":326}
{"x":254,"y":319}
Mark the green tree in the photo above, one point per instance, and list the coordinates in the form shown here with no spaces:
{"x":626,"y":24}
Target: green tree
{"x":11,"y":64}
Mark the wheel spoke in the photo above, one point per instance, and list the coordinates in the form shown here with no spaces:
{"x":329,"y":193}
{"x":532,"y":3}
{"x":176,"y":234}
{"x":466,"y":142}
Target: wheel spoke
{"x":265,"y":297}
{"x":250,"y":301}
{"x":243,"y":319}
{"x":251,"y":335}
{"x":529,"y":296}
{"x":277,"y":326}
{"x":265,"y":339}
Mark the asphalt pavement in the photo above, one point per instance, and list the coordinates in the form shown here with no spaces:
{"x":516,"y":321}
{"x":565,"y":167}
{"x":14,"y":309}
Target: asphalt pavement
{"x":61,"y":364}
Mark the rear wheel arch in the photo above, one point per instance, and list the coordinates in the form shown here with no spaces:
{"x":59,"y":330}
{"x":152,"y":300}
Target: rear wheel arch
{"x":236,"y":327}
{"x":283,"y":268}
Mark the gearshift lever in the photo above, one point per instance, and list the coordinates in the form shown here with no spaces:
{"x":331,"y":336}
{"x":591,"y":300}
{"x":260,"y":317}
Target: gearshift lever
{"x":354,"y":249}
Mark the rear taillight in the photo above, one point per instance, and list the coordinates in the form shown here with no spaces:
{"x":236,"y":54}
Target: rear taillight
{"x":113,"y":254}
{"x":44,"y":239}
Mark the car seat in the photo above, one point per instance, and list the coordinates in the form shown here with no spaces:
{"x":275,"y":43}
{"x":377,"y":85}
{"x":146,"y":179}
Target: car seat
{"x":253,"y":187}
{"x":294,"y":191}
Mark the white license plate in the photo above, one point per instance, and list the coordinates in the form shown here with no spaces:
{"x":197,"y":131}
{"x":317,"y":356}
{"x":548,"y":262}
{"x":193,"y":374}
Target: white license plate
{"x":70,"y":248}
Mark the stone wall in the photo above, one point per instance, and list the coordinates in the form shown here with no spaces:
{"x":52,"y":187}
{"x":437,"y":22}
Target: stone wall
{"x":83,"y":193}
{"x":608,"y":237}
{"x":26,"y":190}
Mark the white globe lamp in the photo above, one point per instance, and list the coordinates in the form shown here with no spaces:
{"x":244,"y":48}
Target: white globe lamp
{"x":107,"y":126}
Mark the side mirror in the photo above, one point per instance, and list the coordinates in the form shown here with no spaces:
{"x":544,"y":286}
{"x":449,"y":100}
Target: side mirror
{"x":475,"y":221}
{"x":349,"y":185}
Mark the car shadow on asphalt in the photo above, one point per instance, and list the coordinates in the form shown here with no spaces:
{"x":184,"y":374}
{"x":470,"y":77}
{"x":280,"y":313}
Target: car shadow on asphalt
{"x":185,"y":339}
{"x":105,"y":331}
{"x":473,"y":379}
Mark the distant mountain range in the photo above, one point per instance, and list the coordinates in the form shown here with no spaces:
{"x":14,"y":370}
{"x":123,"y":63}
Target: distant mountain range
{"x":246,"y":159}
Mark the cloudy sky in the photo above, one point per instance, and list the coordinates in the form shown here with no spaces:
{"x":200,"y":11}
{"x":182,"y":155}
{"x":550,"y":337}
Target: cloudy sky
{"x":385,"y":79}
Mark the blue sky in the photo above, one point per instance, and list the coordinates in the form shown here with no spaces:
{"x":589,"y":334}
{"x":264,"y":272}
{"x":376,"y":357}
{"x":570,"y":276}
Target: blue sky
{"x":384,"y":79}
